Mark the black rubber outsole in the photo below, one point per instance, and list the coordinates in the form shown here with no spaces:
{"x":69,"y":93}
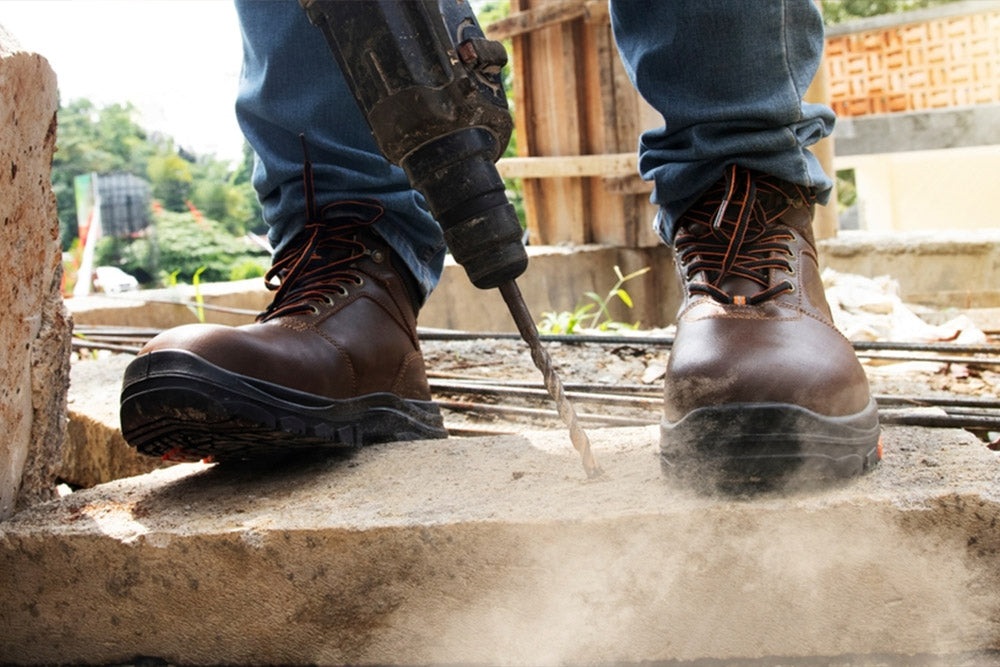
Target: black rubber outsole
{"x":177,"y":406}
{"x":769,"y":444}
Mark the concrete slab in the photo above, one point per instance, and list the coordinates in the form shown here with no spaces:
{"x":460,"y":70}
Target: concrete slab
{"x":556,"y":280}
{"x":34,"y":328}
{"x":943,"y":269}
{"x":95,"y":450}
{"x":499,"y":551}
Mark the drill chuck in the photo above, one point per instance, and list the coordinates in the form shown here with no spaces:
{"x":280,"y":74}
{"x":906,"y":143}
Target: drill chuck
{"x":464,"y":191}
{"x":428,"y":83}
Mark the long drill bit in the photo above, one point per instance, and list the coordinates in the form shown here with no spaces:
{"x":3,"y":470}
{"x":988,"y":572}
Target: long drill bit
{"x":526,"y":325}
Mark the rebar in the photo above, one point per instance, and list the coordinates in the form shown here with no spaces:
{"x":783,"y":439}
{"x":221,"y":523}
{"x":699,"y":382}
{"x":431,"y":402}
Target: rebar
{"x":606,"y":398}
{"x":668,"y":341}
{"x":542,"y":413}
{"x":973,"y":413}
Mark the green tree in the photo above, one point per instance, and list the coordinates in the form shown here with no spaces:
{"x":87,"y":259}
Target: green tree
{"x":91,"y":139}
{"x":242,"y":180}
{"x":183,"y":244}
{"x":225,"y":194}
{"x":110,"y":139}
{"x":244,"y":170}
{"x":186,"y":244}
{"x":171,"y":178}
{"x":487,"y":12}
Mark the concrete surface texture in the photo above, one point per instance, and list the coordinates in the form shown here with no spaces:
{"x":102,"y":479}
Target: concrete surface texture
{"x":498,"y":550}
{"x":942,"y":268}
{"x":556,"y":279}
{"x":95,"y":451}
{"x":937,"y":269}
{"x":34,"y":328}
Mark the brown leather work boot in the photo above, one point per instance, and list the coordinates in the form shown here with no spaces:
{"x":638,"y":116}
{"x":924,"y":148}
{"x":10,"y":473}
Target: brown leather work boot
{"x":760,"y":384}
{"x":333,"y":361}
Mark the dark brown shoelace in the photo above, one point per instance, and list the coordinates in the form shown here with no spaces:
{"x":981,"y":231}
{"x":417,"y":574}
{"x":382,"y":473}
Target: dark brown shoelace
{"x":731,"y":233}
{"x":316,"y":267}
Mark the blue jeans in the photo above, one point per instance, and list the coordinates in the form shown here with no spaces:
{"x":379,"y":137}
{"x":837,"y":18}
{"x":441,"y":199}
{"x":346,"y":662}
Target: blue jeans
{"x":291,"y":85}
{"x":727,"y":76}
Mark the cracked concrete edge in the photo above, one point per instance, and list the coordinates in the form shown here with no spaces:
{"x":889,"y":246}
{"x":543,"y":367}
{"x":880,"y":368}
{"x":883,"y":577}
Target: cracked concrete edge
{"x":95,"y":451}
{"x":497,"y":550}
{"x":35,"y":328}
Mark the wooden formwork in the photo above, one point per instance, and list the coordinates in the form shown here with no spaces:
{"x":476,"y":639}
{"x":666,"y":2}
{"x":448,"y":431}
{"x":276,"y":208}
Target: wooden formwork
{"x":578,"y":120}
{"x":575,"y":108}
{"x":578,"y":117}
{"x":935,"y":63}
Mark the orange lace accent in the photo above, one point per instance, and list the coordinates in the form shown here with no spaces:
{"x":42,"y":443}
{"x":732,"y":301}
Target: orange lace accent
{"x":316,"y":266}
{"x":730,"y":232}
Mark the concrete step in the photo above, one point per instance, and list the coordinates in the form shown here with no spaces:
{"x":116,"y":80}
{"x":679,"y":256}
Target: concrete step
{"x":499,"y":551}
{"x":95,"y":450}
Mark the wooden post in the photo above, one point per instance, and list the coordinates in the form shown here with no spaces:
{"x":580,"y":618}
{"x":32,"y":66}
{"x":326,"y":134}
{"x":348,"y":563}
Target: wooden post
{"x":827,"y":220}
{"x":574,"y":104}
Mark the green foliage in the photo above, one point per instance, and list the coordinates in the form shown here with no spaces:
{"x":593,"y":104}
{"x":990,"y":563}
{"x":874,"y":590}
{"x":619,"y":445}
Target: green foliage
{"x":199,"y":298}
{"x":188,"y":246}
{"x":91,"y":139}
{"x":137,"y":257}
{"x":248,"y":268}
{"x":847,"y":192}
{"x":487,"y":12}
{"x":588,"y":316}
{"x":109,"y":139}
{"x":171,"y":178}
{"x":227,"y":196}
{"x":837,"y":11}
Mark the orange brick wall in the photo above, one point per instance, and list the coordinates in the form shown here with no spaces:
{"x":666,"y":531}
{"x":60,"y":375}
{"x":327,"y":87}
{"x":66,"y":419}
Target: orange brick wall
{"x":946,"y":62}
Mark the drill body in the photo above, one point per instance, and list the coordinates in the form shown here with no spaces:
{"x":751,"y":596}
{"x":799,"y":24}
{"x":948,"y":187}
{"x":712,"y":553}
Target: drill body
{"x":429,"y":84}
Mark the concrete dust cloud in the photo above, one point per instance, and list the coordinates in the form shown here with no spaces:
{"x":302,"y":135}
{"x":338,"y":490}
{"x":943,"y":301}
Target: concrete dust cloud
{"x":724,"y":581}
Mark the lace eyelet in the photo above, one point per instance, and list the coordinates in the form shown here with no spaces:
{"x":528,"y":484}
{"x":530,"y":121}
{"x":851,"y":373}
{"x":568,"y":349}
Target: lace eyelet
{"x":359,"y":281}
{"x":314,"y":310}
{"x":343,"y":291}
{"x":378,"y":256}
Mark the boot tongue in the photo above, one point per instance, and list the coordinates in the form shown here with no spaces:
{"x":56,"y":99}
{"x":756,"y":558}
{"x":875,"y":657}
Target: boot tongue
{"x":736,"y":286}
{"x":733,"y":263}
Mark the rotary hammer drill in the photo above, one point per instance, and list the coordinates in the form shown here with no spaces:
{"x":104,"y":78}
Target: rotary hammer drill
{"x":429,"y":84}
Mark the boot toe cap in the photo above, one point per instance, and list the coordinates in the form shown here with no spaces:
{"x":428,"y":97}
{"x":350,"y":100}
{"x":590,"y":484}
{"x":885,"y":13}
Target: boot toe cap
{"x":800,"y":362}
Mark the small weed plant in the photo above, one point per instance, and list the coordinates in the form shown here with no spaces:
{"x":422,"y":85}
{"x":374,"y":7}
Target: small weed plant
{"x":199,"y":299}
{"x":592,"y":313}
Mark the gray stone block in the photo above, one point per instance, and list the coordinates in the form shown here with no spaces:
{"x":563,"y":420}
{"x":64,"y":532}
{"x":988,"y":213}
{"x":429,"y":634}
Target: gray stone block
{"x":34,"y":329}
{"x":499,"y":551}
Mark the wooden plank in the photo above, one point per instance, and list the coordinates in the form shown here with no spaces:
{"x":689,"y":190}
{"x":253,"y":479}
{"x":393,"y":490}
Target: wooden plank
{"x":617,"y":164}
{"x":628,"y":185}
{"x":523,"y":113}
{"x":552,"y":82}
{"x":632,"y":116}
{"x":826,"y":220}
{"x":578,"y":119}
{"x":545,"y":15}
{"x":605,"y":222}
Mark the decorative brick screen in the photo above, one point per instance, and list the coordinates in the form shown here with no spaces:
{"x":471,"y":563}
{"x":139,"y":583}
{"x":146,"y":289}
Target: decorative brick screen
{"x":953,"y":61}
